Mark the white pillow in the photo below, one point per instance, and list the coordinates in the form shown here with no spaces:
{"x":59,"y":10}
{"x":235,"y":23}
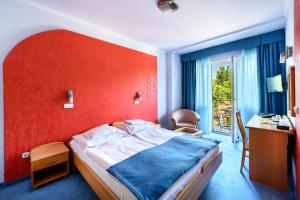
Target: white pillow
{"x":84,"y":142}
{"x":136,"y":121}
{"x":132,"y":129}
{"x":96,"y":132}
{"x":99,"y":136}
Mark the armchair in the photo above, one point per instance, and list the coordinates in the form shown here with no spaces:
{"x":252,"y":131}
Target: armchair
{"x":185,"y":118}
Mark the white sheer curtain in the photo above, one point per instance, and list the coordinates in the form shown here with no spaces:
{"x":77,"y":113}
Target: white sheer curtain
{"x":203,"y":99}
{"x":247,"y":84}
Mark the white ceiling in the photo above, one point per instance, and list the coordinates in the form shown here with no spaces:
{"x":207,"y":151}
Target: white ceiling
{"x":195,"y":21}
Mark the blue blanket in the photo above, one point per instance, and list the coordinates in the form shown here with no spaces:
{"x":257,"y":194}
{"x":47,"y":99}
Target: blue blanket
{"x":149,"y":173}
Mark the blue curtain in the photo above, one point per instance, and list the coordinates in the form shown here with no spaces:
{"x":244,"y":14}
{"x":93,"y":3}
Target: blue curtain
{"x":268,"y":65}
{"x":251,"y":42}
{"x":247,"y":84}
{"x":204,"y":94}
{"x":188,"y":84}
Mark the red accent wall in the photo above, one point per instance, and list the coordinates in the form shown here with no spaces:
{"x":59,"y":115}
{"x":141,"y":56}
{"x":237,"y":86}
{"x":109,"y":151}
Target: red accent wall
{"x":297,"y":63}
{"x":104,"y":78}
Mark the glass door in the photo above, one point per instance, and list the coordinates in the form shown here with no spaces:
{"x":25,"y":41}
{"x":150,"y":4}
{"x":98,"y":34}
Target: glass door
{"x":222,"y":97}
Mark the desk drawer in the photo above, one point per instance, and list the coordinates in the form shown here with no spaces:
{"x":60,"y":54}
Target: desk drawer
{"x":47,"y":162}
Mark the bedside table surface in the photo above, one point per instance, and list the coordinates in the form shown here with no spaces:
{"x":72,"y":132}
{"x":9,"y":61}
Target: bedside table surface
{"x":47,"y":150}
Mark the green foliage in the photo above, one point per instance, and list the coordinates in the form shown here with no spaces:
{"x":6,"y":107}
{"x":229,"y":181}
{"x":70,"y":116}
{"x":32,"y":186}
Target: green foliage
{"x":221,"y":87}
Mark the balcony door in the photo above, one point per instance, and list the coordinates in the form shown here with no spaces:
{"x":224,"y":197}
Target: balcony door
{"x":224,"y":101}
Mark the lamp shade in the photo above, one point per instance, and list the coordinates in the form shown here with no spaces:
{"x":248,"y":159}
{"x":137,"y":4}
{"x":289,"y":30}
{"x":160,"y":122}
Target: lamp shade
{"x":274,"y":84}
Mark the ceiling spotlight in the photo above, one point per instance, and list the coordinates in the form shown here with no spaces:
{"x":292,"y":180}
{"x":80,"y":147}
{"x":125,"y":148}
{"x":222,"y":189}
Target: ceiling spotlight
{"x":167,"y":5}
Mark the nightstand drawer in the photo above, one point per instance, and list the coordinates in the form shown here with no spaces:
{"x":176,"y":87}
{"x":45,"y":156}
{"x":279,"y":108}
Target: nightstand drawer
{"x":47,"y":162}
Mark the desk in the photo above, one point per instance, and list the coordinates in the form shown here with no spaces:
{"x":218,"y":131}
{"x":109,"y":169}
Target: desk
{"x":268,"y":152}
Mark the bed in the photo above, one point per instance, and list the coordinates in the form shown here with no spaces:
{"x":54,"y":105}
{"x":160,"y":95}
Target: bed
{"x":95,"y":168}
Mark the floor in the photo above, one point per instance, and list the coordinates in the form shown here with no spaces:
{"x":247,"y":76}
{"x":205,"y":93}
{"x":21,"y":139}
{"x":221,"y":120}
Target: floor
{"x":222,"y":130}
{"x":227,"y":184}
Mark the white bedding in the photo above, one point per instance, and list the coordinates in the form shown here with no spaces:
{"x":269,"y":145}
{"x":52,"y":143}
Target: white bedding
{"x":117,"y":150}
{"x":118,"y":188}
{"x":156,"y":135}
{"x":122,"y":147}
{"x":103,"y":156}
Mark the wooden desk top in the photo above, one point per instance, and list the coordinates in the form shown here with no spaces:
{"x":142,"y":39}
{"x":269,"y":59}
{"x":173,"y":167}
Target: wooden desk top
{"x":258,"y":122}
{"x":47,"y":150}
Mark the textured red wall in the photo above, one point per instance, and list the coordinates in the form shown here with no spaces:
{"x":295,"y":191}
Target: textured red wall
{"x":39,"y":71}
{"x":297,"y":63}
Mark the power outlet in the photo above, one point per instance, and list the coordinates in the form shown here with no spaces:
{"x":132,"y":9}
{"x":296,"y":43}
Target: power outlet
{"x":25,"y":155}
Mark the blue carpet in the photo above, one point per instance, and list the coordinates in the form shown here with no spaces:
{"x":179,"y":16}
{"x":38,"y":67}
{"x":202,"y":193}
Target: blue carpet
{"x":227,"y":184}
{"x":73,"y":187}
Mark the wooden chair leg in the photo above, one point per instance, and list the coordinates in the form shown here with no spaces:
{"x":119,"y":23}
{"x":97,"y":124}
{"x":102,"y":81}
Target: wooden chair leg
{"x":243,"y":160}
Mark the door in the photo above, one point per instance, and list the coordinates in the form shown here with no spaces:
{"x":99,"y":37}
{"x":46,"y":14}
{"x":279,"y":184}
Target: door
{"x":222,"y":97}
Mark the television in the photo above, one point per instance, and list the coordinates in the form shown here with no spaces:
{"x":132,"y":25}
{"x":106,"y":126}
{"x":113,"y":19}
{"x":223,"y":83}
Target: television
{"x":274,"y":84}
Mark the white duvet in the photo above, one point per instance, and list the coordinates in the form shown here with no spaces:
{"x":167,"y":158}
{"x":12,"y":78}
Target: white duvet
{"x":117,"y":150}
{"x":121,"y":147}
{"x":156,"y":136}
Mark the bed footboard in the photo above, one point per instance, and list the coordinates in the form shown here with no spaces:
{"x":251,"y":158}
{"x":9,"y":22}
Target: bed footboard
{"x":99,"y":187}
{"x":197,"y":184}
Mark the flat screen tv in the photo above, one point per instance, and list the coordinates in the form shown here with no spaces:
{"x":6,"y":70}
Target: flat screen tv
{"x":274,"y":84}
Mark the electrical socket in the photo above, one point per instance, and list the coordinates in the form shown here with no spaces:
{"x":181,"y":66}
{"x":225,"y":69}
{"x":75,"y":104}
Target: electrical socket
{"x":25,"y":155}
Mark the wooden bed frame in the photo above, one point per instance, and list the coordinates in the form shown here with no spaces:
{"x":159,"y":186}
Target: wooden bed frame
{"x":192,"y":189}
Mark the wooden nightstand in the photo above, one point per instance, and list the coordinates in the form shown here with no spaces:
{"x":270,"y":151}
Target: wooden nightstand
{"x":48,"y":162}
{"x":191,"y":131}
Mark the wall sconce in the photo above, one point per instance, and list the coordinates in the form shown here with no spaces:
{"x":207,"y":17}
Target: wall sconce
{"x":285,"y":55}
{"x":70,"y":96}
{"x":137,"y":97}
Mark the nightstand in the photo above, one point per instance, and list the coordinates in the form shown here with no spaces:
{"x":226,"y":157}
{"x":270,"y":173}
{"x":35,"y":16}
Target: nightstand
{"x":191,"y":131}
{"x":48,"y":162}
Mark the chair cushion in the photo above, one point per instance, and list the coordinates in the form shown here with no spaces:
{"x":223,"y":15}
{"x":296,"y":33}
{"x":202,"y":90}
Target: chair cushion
{"x":185,"y":124}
